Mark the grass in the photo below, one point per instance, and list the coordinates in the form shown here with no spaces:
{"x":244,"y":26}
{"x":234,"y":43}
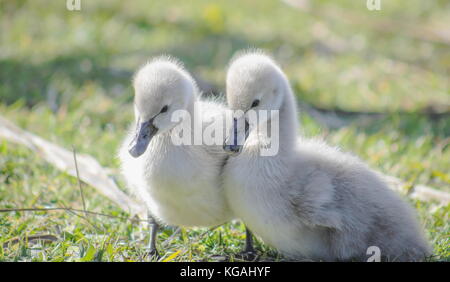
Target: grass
{"x":66,"y":77}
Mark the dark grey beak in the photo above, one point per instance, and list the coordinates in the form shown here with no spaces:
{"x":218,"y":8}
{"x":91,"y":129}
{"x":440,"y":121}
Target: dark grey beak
{"x":232,"y":144}
{"x":144,"y":133}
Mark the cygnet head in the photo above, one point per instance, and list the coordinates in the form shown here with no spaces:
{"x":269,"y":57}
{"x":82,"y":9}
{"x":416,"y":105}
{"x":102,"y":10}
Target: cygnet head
{"x":254,"y":82}
{"x":161,"y":87}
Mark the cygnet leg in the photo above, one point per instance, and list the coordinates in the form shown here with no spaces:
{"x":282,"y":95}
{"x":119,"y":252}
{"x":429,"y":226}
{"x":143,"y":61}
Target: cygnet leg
{"x":248,"y":241}
{"x":249,"y":252}
{"x":153,"y":229}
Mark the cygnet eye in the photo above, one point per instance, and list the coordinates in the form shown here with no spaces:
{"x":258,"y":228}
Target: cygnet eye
{"x":255,"y":103}
{"x":164,"y":109}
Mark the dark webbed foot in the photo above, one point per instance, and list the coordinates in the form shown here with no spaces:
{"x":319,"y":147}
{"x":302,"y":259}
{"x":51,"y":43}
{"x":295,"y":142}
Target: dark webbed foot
{"x":247,"y":256}
{"x":153,"y":255}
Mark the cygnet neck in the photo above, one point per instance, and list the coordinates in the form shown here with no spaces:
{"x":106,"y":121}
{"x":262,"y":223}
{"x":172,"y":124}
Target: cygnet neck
{"x":288,"y":123}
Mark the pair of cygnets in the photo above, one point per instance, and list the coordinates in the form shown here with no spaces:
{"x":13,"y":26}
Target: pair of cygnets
{"x":309,"y":201}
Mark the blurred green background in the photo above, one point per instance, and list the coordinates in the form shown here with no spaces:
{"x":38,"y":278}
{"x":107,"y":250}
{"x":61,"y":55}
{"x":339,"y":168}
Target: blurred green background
{"x":65,"y":75}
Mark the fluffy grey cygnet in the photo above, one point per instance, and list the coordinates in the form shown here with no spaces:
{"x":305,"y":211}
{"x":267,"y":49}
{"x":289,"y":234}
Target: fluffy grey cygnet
{"x":179,"y":183}
{"x":309,"y":201}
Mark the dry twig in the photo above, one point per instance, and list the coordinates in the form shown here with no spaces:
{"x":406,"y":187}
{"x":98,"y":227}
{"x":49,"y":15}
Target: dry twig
{"x":90,"y":171}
